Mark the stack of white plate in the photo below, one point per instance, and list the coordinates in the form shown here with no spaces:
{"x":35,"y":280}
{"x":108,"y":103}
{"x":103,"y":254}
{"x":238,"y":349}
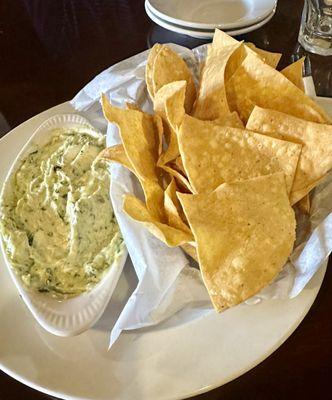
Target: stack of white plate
{"x":199,"y":18}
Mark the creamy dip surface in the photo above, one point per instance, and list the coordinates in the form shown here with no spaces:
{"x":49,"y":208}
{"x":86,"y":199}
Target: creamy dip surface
{"x":57,"y":221}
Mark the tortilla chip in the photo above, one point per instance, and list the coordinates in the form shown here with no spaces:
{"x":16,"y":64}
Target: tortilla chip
{"x":244,"y":232}
{"x":214,"y":154}
{"x":268,"y":57}
{"x":117,"y":154}
{"x":224,"y":57}
{"x":190,"y":250}
{"x":140,"y":135}
{"x":136,"y":209}
{"x":211,"y":102}
{"x":316,"y":139}
{"x":256,"y":83}
{"x":169,"y":105}
{"x":169,"y":67}
{"x":149,"y":68}
{"x":294,"y":73}
{"x":173,"y":209}
{"x":157,"y":121}
{"x":222,"y":40}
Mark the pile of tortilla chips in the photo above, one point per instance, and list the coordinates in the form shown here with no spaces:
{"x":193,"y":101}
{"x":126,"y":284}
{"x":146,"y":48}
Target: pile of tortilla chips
{"x":222,"y":165}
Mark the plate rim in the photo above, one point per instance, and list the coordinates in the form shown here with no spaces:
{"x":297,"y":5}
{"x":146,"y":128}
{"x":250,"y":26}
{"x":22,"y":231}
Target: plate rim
{"x":277,"y":344}
{"x":203,"y":34}
{"x":199,"y":25}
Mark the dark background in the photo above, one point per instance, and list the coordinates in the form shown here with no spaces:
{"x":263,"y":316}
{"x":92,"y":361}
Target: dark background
{"x":49,"y":49}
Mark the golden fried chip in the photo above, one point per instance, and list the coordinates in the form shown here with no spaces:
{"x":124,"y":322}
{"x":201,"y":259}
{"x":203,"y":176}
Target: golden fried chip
{"x":169,"y":105}
{"x":158,"y":123}
{"x":244,"y":233}
{"x":214,"y":154}
{"x":149,"y":68}
{"x":140,"y":135}
{"x":268,"y":57}
{"x":222,"y":40}
{"x":224,"y":56}
{"x":173,"y":209}
{"x":211,"y":102}
{"x":169,"y":67}
{"x":294,"y":73}
{"x":256,"y":83}
{"x":316,"y":155}
{"x":117,"y":154}
{"x":136,"y":209}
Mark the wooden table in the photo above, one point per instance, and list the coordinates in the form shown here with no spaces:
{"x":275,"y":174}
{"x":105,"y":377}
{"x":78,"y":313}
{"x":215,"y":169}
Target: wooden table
{"x":50,"y":49}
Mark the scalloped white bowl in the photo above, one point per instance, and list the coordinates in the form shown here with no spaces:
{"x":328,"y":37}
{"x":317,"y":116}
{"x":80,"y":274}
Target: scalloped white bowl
{"x":72,"y":316}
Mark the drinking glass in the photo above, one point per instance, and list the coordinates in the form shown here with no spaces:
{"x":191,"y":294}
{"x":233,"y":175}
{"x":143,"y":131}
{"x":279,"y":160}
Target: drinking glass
{"x":316,"y":27}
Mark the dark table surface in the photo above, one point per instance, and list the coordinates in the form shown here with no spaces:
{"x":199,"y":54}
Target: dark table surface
{"x":49,"y":49}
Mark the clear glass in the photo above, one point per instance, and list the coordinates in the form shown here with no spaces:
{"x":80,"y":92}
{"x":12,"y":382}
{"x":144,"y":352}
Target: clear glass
{"x":316,"y":27}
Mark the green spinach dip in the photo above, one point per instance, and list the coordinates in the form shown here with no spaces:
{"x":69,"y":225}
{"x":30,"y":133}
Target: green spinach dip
{"x":57,"y":223}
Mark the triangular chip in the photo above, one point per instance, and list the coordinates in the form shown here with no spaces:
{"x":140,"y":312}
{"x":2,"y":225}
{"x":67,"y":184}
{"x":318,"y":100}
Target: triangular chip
{"x":256,"y":83}
{"x":211,"y":102}
{"x":169,"y":105}
{"x":268,"y":57}
{"x":117,"y":154}
{"x":224,"y":57}
{"x":158,"y":124}
{"x":222,"y":40}
{"x":316,"y":139}
{"x":294,"y":73}
{"x":214,"y":154}
{"x":244,"y":232}
{"x":149,"y":68}
{"x":169,"y":67}
{"x":140,"y":135}
{"x":136,"y":209}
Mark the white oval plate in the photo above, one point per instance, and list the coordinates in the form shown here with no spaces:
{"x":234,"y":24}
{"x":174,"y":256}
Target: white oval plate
{"x":178,"y":359}
{"x":203,"y":34}
{"x":211,"y":14}
{"x":73,"y":316}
